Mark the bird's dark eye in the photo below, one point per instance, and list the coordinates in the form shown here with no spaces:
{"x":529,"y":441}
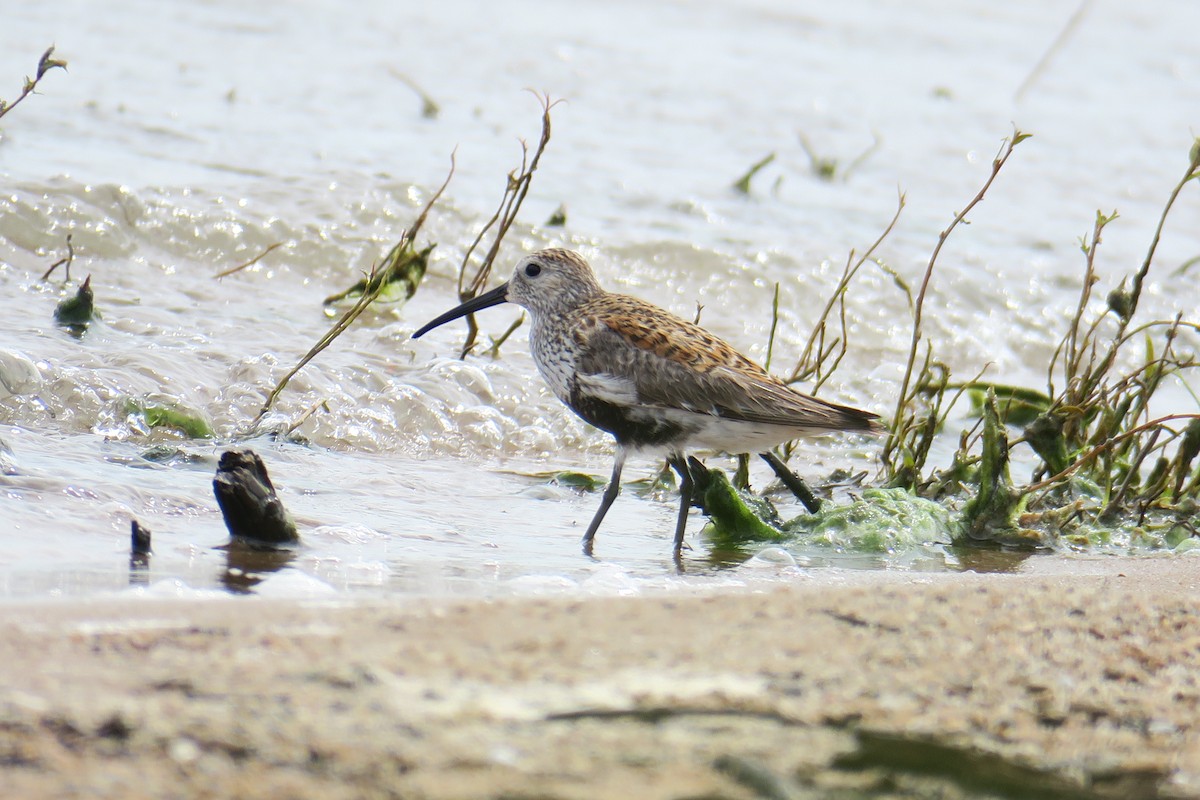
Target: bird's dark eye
{"x":533,"y":270}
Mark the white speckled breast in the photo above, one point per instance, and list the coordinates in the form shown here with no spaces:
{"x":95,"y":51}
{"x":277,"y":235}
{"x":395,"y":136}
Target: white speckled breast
{"x":554,"y":353}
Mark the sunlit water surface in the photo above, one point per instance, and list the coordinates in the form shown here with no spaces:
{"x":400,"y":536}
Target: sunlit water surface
{"x":187,"y":138}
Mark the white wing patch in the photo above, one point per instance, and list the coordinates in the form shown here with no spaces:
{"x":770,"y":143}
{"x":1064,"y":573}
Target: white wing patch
{"x":608,"y":388}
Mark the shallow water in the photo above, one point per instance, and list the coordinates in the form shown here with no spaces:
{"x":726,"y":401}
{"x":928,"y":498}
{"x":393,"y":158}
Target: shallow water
{"x":187,"y":138}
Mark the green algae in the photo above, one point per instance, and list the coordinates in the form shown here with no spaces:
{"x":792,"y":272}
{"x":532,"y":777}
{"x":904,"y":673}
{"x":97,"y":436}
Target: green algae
{"x":1110,"y":475}
{"x":742,"y":184}
{"x":1019,"y":405}
{"x":580,"y":481}
{"x":395,"y":281}
{"x":992,"y":514}
{"x":895,"y":520}
{"x":162,"y":412}
{"x":736,"y":517}
{"x":881,"y":521}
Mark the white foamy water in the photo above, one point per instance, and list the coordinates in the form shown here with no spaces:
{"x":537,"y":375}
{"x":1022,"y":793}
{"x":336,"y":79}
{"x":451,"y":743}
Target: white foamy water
{"x":187,"y":138}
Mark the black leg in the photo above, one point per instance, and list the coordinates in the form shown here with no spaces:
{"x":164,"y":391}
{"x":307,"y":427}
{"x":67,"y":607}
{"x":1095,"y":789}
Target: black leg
{"x":610,"y":494}
{"x":792,"y":481}
{"x":685,"y":498}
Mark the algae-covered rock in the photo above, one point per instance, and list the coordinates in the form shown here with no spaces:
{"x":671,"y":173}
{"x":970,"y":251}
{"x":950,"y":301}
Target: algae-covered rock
{"x":881,"y":521}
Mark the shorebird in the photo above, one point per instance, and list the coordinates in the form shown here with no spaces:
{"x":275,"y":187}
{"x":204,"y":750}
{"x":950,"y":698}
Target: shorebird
{"x":654,"y":381}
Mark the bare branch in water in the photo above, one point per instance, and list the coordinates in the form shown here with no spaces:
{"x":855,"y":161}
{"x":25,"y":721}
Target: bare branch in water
{"x":401,"y":248}
{"x":515,"y":189}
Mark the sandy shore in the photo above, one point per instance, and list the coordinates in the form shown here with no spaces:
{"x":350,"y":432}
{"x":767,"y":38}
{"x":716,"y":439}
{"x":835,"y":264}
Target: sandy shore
{"x":1055,"y":685}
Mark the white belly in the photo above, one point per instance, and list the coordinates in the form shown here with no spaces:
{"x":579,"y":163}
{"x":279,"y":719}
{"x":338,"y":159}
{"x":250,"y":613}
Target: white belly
{"x":704,"y":432}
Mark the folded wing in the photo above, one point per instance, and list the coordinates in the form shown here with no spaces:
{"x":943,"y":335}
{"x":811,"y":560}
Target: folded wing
{"x":636,"y":353}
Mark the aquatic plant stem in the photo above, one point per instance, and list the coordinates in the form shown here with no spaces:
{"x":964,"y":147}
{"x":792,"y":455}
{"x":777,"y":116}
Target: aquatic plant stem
{"x":368,"y":296}
{"x":1070,"y":341}
{"x":904,"y":398}
{"x":1193,"y":172}
{"x":515,"y":190}
{"x":1128,"y":302}
{"x":814,"y":355}
{"x":742,"y":184}
{"x":46,"y":63}
{"x":1103,"y":447}
{"x":1055,"y":46}
{"x":774,"y":326}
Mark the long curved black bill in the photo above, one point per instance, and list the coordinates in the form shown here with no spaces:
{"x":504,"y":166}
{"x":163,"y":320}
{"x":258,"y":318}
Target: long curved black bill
{"x":486,"y":300}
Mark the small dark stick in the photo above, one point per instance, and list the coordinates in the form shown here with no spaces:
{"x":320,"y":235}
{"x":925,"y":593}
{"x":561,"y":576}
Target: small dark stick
{"x":253,"y":512}
{"x":139,"y":554}
{"x":793,"y":481}
{"x":139,"y":545}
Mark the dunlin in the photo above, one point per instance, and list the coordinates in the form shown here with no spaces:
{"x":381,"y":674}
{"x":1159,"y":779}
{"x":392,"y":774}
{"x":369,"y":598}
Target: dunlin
{"x":654,"y":381}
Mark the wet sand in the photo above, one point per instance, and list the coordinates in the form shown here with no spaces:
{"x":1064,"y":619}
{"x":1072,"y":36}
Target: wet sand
{"x":1084,"y":684}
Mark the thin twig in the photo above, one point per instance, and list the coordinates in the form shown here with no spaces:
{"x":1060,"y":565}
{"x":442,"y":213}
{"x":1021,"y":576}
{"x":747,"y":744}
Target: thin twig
{"x":862,"y":157}
{"x":1191,"y":174}
{"x":516,"y":188}
{"x":807,"y":365}
{"x":1130,"y":301}
{"x":429,"y":107}
{"x":904,"y":397}
{"x":69,"y":259}
{"x":1054,"y":47}
{"x":368,"y":296}
{"x":1070,"y":340}
{"x":1133,"y":471}
{"x":823,"y":167}
{"x":319,"y":405}
{"x":1103,"y":447}
{"x":1083,"y":383}
{"x":774,"y":325}
{"x":494,"y":350}
{"x":46,"y":63}
{"x":249,"y":263}
{"x":742,"y":184}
